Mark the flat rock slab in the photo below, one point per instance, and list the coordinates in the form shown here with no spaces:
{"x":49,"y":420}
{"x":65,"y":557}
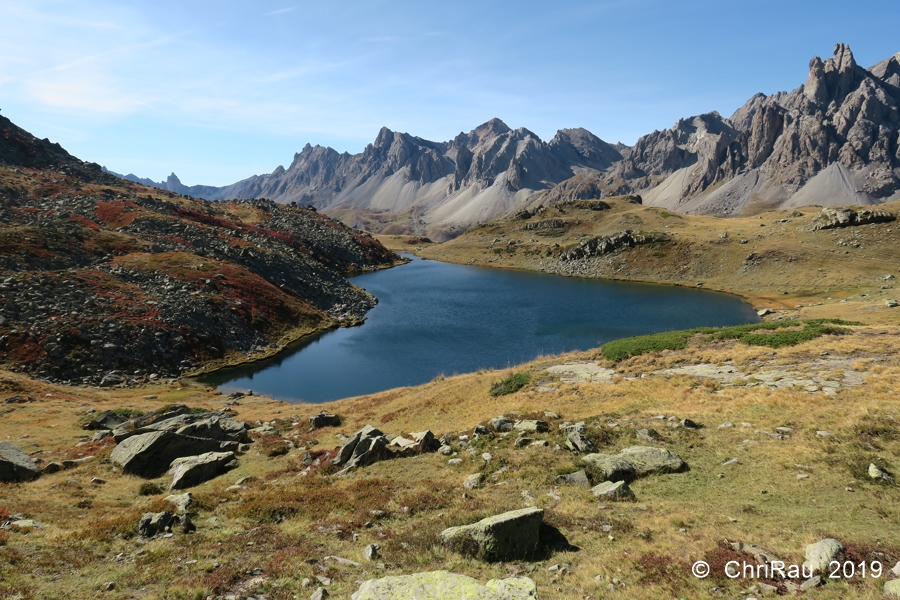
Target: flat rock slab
{"x":443,"y":585}
{"x":15,"y":465}
{"x":194,"y":470}
{"x":508,"y":536}
{"x":151,"y":454}
{"x":582,"y":372}
{"x":813,"y":376}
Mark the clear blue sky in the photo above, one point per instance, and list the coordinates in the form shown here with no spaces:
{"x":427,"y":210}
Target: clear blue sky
{"x":220,"y":90}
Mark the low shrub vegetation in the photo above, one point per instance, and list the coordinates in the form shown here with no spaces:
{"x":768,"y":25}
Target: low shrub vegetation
{"x":774,"y":334}
{"x":511,"y":384}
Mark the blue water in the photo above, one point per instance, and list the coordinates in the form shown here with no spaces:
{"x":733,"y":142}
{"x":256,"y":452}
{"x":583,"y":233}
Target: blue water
{"x":437,"y":318}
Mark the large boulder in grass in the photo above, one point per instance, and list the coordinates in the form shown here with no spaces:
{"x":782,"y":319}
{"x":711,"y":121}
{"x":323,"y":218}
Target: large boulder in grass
{"x":417,"y":443}
{"x":15,"y":465}
{"x":155,"y":523}
{"x":324,"y":419}
{"x":151,"y":454}
{"x":635,"y":462}
{"x":443,"y":585}
{"x":194,"y":470}
{"x":512,"y":535}
{"x":366,"y":446}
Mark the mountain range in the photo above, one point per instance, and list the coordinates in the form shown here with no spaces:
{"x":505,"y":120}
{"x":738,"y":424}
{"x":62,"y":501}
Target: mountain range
{"x":831,"y":141}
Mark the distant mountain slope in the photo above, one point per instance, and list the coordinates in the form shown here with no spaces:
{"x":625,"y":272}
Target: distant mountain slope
{"x":833,"y":140}
{"x":438,"y":187}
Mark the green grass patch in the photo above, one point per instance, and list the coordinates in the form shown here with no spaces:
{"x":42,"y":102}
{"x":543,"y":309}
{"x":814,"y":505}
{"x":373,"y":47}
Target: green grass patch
{"x":511,"y":384}
{"x":774,"y":334}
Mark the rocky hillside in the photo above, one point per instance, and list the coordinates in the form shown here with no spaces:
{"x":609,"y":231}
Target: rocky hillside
{"x":107,"y":282}
{"x":591,"y":477}
{"x":832,"y":141}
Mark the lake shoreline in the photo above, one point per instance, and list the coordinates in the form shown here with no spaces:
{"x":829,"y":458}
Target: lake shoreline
{"x":444,"y":317}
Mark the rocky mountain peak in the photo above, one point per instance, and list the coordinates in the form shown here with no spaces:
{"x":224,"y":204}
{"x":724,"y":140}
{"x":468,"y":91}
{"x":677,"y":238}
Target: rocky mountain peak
{"x":385,"y":138}
{"x":834,"y":78}
{"x":493,"y":128}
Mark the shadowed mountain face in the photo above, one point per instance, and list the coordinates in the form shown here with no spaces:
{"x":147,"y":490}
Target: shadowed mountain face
{"x":831,"y":141}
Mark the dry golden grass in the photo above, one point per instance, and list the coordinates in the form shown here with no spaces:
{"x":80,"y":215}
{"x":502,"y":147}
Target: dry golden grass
{"x":284,"y":519}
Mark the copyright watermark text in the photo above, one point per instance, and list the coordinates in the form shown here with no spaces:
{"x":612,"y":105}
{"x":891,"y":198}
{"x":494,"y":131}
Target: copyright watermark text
{"x":777,"y":570}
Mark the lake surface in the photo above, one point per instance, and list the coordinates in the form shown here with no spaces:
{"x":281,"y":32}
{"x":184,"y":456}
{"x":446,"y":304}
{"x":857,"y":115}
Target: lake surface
{"x":438,"y":318}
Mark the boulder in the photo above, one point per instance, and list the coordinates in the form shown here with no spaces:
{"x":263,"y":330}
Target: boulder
{"x":879,"y":474}
{"x":181,"y":501}
{"x":372,"y":552}
{"x":614,"y":491}
{"x":611,"y":467}
{"x":892,"y":588}
{"x":151,"y":454}
{"x":443,"y":585}
{"x":501,"y":423}
{"x":366,"y":446}
{"x":105,"y":420}
{"x":209,"y":425}
{"x":154,"y":523}
{"x":346,"y":452}
{"x":635,"y":462}
{"x":648,"y":460}
{"x":509,"y":536}
{"x":576,"y":442}
{"x":473,"y":481}
{"x":324,"y":419}
{"x":161,"y":415}
{"x":15,"y":465}
{"x":422,"y":441}
{"x":217,"y":427}
{"x":821,"y":553}
{"x":189,"y":471}
{"x":532,"y":426}
{"x":576,"y":478}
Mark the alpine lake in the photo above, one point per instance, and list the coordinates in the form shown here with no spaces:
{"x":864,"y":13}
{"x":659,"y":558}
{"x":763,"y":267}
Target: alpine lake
{"x":436,"y":318}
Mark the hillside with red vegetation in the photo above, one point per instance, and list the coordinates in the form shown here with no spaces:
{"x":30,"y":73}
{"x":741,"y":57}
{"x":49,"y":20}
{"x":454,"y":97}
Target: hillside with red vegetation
{"x":104,"y":281}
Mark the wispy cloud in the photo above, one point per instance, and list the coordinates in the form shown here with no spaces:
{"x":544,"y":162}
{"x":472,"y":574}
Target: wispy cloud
{"x":280,"y":11}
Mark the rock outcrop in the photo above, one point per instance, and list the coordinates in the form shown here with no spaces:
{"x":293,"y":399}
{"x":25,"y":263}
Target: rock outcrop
{"x":834,"y":218}
{"x":508,"y":536}
{"x":151,"y":454}
{"x":15,"y":465}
